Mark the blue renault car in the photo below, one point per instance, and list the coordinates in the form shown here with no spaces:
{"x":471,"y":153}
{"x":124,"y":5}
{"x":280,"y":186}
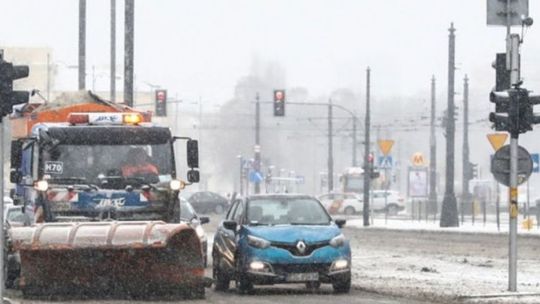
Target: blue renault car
{"x":280,"y":238}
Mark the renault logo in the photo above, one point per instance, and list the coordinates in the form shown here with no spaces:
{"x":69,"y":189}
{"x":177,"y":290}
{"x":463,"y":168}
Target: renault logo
{"x":301,"y":246}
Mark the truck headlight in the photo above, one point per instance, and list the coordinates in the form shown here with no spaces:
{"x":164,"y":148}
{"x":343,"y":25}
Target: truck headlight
{"x":258,"y":242}
{"x":177,"y":185}
{"x":41,"y":185}
{"x":338,"y":241}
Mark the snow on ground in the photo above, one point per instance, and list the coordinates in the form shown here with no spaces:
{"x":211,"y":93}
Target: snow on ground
{"x":445,"y":265}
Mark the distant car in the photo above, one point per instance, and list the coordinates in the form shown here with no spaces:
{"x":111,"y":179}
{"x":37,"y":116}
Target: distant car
{"x":394,"y":202}
{"x":206,"y":202}
{"x":188,"y":215}
{"x":280,"y":238}
{"x":342,"y":203}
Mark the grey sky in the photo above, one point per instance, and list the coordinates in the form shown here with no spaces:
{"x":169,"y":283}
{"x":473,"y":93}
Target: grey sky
{"x":201,"y":48}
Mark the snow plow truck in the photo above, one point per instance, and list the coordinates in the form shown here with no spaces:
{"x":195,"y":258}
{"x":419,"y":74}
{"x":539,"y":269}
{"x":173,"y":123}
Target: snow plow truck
{"x":99,"y":182}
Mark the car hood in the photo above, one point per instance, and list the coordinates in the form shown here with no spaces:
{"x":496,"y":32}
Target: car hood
{"x":294,"y":233}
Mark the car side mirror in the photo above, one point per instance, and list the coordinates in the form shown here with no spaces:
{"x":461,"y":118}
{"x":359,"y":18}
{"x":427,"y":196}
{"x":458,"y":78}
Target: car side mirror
{"x":204,"y":220}
{"x":340,"y":222}
{"x":230,"y":225}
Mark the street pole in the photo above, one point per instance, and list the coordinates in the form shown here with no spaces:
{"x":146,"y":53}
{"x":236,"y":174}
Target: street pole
{"x":113,"y":51}
{"x":466,"y":195}
{"x":330,"y":149}
{"x":513,"y":190}
{"x":2,"y":237}
{"x":449,"y":214}
{"x":433,"y":154}
{"x":354,"y":144}
{"x":48,"y":77}
{"x":129,"y":44}
{"x":241,"y":174}
{"x":257,"y":148}
{"x":367,"y":165}
{"x":82,"y":44}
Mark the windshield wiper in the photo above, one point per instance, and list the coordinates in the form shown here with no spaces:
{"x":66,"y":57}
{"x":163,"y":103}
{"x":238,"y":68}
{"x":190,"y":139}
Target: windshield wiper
{"x":259,"y":224}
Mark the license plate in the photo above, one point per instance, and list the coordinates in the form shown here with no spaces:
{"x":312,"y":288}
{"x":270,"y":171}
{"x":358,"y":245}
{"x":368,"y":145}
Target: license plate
{"x":303,"y":277}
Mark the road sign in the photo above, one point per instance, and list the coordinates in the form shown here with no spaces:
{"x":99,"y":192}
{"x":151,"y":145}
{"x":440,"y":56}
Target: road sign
{"x":255,"y":176}
{"x":418,"y":159}
{"x":385,"y":145}
{"x":496,"y":12}
{"x":500,"y":165}
{"x":386,"y":162}
{"x":536,"y":162}
{"x":497,"y":140}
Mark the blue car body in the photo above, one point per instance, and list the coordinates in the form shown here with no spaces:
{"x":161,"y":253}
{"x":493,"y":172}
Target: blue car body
{"x":281,"y":256}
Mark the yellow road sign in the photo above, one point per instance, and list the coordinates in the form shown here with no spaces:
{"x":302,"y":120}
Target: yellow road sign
{"x":418,"y":159}
{"x":385,"y":145}
{"x":497,"y":140}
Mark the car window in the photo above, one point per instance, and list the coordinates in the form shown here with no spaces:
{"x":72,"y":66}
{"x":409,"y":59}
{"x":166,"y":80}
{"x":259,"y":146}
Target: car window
{"x":286,"y":211}
{"x":231,"y":210}
{"x":239,"y":212}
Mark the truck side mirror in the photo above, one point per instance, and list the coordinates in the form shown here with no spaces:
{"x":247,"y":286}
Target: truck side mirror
{"x":16,"y":154}
{"x":15,"y":176}
{"x":193,"y":153}
{"x":193,"y":176}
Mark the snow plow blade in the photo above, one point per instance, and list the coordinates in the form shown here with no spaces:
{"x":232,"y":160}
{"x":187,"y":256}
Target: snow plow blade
{"x":138,"y":259}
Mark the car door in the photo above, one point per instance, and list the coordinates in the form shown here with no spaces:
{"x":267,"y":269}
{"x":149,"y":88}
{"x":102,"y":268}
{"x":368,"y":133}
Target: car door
{"x":225,"y":241}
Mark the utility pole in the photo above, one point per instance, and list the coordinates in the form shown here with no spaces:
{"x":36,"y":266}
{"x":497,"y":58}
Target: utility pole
{"x":354,"y":143}
{"x":257,"y":148}
{"x":449,"y":214}
{"x":367,"y":164}
{"x":129,"y":43}
{"x":82,"y":44}
{"x":467,"y":169}
{"x":330,"y":149}
{"x":113,"y":51}
{"x":433,"y":153}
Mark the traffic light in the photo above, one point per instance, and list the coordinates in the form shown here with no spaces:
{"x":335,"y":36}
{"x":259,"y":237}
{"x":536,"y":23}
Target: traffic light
{"x":500,"y":118}
{"x":502,"y":75}
{"x":161,"y":102}
{"x":474,"y":170}
{"x":279,"y":102}
{"x":514,"y":111}
{"x":8,"y":97}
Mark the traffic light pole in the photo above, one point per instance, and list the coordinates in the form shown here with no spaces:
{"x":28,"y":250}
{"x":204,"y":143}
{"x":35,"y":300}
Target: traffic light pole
{"x":513,"y":190}
{"x":330,"y":149}
{"x":433,"y":155}
{"x":2,"y":237}
{"x":467,"y":168}
{"x":257,"y":148}
{"x":367,"y":164}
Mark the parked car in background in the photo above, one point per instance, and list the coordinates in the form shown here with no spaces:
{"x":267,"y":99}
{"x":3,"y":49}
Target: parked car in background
{"x":206,"y":202}
{"x":188,"y":215}
{"x":394,"y":202}
{"x":280,"y":238}
{"x":342,"y":203}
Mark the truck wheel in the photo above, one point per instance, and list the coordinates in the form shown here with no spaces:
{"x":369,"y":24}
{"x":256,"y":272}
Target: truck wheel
{"x":198,"y":292}
{"x":349,"y":211}
{"x":342,"y":285}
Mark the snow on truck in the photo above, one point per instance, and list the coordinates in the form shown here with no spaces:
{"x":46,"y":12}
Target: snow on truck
{"x":100,"y":182}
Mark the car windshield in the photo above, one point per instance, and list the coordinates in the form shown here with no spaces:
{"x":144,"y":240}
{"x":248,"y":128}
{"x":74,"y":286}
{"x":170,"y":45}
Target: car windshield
{"x":94,"y":164}
{"x":186,"y":211}
{"x":286,"y":211}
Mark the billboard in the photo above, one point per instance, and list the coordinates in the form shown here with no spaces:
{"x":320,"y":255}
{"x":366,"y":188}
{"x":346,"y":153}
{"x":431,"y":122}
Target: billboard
{"x":418,"y":183}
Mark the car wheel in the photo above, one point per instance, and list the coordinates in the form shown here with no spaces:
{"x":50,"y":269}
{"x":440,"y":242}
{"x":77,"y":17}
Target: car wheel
{"x":393,"y":210}
{"x":243,"y":285}
{"x":219,"y":209}
{"x":342,"y":285}
{"x":313,"y":286}
{"x":221,"y":280}
{"x":349,"y":211}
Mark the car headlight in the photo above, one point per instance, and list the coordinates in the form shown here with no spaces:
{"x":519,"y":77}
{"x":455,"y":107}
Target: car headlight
{"x":338,"y":241}
{"x":340,"y":264}
{"x":258,"y":242}
{"x":200,"y":232}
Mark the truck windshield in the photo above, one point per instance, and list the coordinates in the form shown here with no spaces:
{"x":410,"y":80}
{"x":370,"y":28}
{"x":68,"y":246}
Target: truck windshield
{"x":112,"y":164}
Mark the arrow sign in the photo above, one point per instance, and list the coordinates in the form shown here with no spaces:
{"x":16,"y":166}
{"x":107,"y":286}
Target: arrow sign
{"x":497,"y":140}
{"x":385,"y":145}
